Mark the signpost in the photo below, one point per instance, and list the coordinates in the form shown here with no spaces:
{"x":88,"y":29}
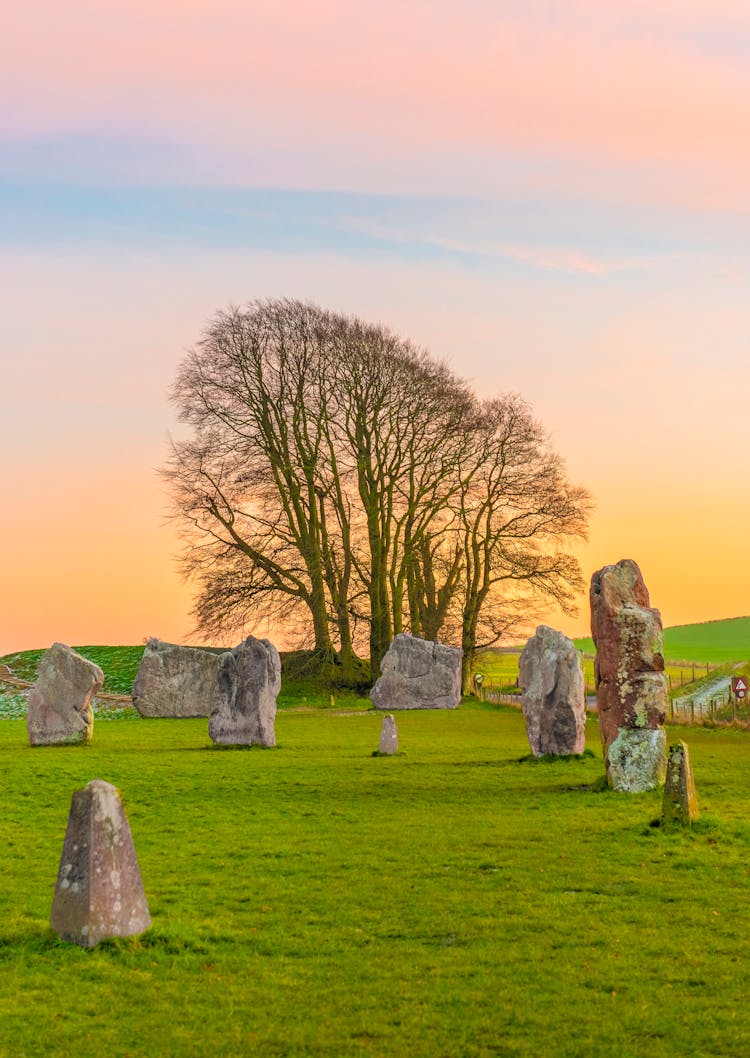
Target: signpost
{"x":739,"y":687}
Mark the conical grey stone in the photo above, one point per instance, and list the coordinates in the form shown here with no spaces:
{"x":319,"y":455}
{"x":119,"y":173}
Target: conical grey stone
{"x":99,"y":892}
{"x":388,"y":736}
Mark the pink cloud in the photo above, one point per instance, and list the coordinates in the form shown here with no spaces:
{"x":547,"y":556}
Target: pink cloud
{"x":615,"y":84}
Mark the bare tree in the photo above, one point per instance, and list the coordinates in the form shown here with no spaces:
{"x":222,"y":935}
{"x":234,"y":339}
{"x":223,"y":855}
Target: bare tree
{"x":257,"y":479}
{"x":517,"y":511}
{"x":338,"y":477}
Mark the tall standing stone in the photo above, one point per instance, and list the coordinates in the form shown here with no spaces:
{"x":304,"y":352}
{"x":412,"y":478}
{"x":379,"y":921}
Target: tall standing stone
{"x":417,"y":674}
{"x":388,"y":737}
{"x":631,"y":687}
{"x":554,"y":707}
{"x":99,"y":892}
{"x":59,"y":706}
{"x":176,"y":681}
{"x":249,"y":681}
{"x":680,"y":804}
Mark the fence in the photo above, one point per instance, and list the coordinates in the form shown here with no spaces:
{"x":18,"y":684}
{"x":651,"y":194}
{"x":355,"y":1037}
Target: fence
{"x":720,"y":708}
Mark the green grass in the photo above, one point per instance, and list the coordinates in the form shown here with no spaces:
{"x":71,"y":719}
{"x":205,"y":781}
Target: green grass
{"x":315,"y":900}
{"x":715,"y":642}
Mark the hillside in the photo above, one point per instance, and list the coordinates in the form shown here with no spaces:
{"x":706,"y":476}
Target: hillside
{"x":715,"y":642}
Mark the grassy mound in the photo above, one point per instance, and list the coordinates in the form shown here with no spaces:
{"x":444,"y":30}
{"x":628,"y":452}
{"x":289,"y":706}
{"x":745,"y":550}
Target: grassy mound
{"x":306,"y":682}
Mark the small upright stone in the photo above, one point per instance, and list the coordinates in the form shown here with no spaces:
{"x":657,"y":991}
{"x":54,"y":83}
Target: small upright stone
{"x":388,"y":737}
{"x":680,"y":804}
{"x":99,"y":892}
{"x":249,"y":681}
{"x":59,"y":707}
{"x":418,"y":674}
{"x":554,"y":707}
{"x":175,"y":681}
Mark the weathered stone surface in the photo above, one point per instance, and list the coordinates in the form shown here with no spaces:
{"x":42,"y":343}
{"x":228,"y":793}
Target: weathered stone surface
{"x":680,"y":804}
{"x":631,"y":688}
{"x":99,"y":892}
{"x":249,"y":681}
{"x":59,"y":705}
{"x":416,"y":674}
{"x":176,"y":681}
{"x":636,"y":759}
{"x":553,"y":702}
{"x":388,"y":736}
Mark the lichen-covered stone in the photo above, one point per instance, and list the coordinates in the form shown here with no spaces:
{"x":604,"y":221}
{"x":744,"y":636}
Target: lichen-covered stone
{"x":176,"y":681}
{"x":59,"y":706}
{"x":631,"y":687}
{"x":553,"y":702}
{"x":637,"y":759}
{"x":680,"y":804}
{"x":388,"y":736}
{"x":99,"y":892}
{"x":417,"y":674}
{"x":248,"y":684}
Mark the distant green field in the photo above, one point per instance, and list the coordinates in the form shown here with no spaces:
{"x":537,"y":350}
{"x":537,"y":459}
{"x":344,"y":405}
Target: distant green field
{"x":715,"y":642}
{"x":500,"y":672}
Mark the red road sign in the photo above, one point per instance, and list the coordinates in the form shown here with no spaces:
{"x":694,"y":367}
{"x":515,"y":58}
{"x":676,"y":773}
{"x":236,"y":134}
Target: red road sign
{"x":739,"y":686}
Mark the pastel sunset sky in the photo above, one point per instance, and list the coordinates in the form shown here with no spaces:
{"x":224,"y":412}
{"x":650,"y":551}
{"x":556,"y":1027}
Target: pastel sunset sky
{"x":553,"y":196}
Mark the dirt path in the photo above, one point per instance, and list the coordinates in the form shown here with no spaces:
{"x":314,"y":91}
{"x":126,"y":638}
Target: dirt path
{"x":718,"y":688}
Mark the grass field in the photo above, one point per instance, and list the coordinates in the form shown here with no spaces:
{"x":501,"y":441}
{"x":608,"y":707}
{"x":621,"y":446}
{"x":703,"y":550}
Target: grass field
{"x":715,"y":642}
{"x":314,"y":900}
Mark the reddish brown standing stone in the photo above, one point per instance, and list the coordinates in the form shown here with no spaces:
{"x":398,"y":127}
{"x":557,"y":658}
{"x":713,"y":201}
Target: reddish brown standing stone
{"x":631,"y":688}
{"x":59,"y":709}
{"x":99,"y":892}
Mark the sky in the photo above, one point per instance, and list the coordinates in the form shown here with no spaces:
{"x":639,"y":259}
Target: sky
{"x":554,"y":197}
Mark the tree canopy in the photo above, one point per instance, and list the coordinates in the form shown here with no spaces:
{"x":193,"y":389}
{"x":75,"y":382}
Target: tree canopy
{"x":339,"y":480}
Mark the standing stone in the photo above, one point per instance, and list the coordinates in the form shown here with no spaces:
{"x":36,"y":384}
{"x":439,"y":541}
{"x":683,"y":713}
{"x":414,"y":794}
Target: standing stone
{"x":631,"y":687}
{"x":554,"y":707}
{"x":59,"y":706}
{"x":680,"y":804}
{"x":175,"y":681}
{"x":249,"y":681}
{"x":388,"y":737}
{"x":99,"y":892}
{"x":417,"y":674}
